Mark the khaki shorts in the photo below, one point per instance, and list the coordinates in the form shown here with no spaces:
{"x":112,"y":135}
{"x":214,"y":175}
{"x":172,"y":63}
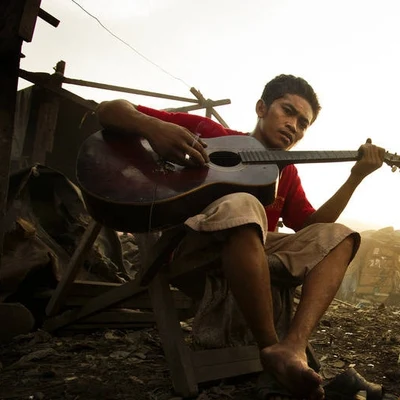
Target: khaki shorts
{"x":299,"y":252}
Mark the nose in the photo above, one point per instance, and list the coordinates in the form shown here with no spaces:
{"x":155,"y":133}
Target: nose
{"x":291,"y":126}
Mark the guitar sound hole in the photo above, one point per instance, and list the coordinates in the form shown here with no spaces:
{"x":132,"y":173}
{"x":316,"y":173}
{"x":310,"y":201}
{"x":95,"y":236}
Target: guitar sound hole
{"x":225,"y":158}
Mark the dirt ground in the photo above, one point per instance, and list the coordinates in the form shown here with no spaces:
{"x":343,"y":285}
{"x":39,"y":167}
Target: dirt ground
{"x":130,"y":364}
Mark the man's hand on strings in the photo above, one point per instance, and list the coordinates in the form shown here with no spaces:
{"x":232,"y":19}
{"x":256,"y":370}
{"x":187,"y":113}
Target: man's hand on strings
{"x":178,"y":145}
{"x":371,"y":159}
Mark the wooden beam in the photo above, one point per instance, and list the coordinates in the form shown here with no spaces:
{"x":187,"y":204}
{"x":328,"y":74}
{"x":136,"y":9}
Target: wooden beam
{"x":219,"y":118}
{"x":80,"y":292}
{"x":177,"y":353}
{"x":122,"y":316}
{"x":198,"y":96}
{"x":47,"y":118}
{"x":198,"y":106}
{"x":45,"y":128}
{"x":110,"y":298}
{"x":74,"y":265}
{"x":106,"y":325}
{"x":208,"y":112}
{"x":160,"y":253}
{"x":45,"y":16}
{"x":28,"y":19}
{"x":126,"y":90}
{"x":208,"y":105}
{"x":44,"y":80}
{"x":225,"y":362}
{"x":10,"y":50}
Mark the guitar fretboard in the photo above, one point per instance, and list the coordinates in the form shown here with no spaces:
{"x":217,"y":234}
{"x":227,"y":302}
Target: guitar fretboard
{"x":282,"y":157}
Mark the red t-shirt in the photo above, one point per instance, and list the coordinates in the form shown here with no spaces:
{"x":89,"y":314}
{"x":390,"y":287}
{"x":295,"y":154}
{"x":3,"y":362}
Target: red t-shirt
{"x":290,"y":203}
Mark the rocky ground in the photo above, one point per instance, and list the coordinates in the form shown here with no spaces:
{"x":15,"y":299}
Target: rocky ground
{"x":130,"y":364}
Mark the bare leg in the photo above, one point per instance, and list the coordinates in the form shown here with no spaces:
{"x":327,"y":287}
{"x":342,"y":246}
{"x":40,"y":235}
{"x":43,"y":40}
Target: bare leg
{"x":246,"y":269}
{"x":288,"y":358}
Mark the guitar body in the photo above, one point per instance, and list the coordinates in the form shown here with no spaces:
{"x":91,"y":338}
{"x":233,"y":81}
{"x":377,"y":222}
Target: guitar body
{"x":128,"y":188}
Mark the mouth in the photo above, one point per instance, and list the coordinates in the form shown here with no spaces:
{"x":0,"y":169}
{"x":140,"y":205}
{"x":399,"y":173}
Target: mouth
{"x":287,"y":136}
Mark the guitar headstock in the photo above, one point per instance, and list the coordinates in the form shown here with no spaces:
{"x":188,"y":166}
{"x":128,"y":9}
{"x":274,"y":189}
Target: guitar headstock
{"x":393,"y":160}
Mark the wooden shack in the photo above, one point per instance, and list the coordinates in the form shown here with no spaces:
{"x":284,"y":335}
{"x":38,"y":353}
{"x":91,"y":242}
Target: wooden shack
{"x":374,"y":274}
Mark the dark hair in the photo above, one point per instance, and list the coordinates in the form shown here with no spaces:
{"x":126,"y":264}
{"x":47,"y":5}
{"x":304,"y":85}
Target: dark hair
{"x":289,"y":84}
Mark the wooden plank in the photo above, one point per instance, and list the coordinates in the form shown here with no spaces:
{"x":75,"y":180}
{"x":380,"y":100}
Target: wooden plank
{"x":47,"y":118}
{"x":45,"y":16}
{"x":177,"y":353}
{"x":143,"y":301}
{"x":205,"y":358}
{"x":222,"y":363}
{"x":201,"y":99}
{"x":208,"y":105}
{"x":99,"y":303}
{"x":103,"y":326}
{"x":219,"y":118}
{"x":198,"y":106}
{"x":365,"y":290}
{"x":10,"y":50}
{"x":220,"y":371}
{"x":369,"y":280}
{"x":80,"y":292}
{"x":28,"y":19}
{"x":119,"y":316}
{"x":74,"y":265}
{"x":90,"y":288}
{"x":160,"y":253}
{"x":42,"y":80}
{"x":105,"y":86}
{"x":45,"y":129}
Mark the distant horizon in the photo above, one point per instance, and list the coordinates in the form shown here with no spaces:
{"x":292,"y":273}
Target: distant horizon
{"x":356,"y":225}
{"x":363,"y":226}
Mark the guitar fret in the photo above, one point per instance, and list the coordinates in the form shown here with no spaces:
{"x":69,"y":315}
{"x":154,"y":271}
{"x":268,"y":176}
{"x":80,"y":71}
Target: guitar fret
{"x":294,"y":157}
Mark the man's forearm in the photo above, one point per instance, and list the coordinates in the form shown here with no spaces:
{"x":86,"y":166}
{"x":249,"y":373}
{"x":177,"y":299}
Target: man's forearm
{"x":331,"y":210}
{"x":123,"y":116}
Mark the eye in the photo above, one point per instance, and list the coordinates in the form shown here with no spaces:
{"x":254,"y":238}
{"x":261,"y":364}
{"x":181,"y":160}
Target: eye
{"x":303,"y":126}
{"x":288,"y":110}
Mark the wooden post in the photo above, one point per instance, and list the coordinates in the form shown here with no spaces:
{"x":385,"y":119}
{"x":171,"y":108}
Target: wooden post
{"x":16,"y":23}
{"x":208,"y":109}
{"x":208,"y":105}
{"x":47,"y":118}
{"x":74,"y":265}
{"x":177,"y":353}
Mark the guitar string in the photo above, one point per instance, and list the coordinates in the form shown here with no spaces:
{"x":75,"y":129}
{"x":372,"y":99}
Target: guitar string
{"x":151,"y":208}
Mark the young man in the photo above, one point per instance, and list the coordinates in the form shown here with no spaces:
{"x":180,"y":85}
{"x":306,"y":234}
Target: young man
{"x":316,"y":256}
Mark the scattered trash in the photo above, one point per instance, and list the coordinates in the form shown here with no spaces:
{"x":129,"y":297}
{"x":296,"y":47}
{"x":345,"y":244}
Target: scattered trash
{"x":338,"y":364}
{"x":119,"y":355}
{"x":38,"y":355}
{"x":136,"y":379}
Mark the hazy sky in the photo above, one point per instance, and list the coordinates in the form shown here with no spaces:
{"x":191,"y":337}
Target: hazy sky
{"x":346,"y":49}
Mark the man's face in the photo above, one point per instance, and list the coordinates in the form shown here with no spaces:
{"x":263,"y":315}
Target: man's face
{"x":284,"y":122}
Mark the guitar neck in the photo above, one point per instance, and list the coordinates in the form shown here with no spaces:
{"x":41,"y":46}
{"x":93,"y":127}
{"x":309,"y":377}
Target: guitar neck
{"x":283,"y":158}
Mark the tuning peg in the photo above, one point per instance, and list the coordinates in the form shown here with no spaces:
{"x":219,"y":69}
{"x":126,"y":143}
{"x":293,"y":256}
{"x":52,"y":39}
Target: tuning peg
{"x":394,"y":168}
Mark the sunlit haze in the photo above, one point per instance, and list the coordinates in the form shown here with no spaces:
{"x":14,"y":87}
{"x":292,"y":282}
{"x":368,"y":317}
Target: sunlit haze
{"x":347,"y":50}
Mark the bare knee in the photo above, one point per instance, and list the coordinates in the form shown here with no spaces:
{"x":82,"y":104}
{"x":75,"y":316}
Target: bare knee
{"x":347,"y":248}
{"x":248,"y":232}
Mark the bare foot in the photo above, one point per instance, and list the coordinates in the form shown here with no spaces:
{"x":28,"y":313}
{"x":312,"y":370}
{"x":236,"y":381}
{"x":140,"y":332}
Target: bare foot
{"x":289,"y":367}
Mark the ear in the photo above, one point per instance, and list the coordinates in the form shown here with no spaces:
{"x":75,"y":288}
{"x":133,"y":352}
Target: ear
{"x":261,"y":108}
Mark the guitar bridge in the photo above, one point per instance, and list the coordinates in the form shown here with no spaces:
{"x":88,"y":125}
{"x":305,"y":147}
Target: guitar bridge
{"x":164,"y":166}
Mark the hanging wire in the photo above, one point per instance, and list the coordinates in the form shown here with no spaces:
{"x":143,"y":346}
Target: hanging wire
{"x":129,"y":46}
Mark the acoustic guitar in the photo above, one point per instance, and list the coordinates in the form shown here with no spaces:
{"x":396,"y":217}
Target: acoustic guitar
{"x":128,"y":187}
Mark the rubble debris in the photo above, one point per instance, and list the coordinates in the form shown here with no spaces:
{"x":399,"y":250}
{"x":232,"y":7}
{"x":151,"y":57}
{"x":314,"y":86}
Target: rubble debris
{"x":84,"y":365}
